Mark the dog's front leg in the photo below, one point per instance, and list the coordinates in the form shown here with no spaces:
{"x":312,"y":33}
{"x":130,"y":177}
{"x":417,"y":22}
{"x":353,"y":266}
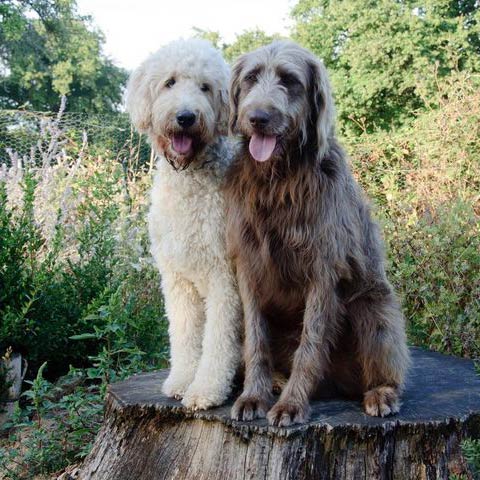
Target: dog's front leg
{"x":221,"y":346}
{"x":257,"y":397}
{"x":186,"y":317}
{"x":311,"y":357}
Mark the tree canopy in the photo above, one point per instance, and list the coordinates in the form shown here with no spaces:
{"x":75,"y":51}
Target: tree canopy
{"x":386,"y":56}
{"x":47,"y":49}
{"x":244,"y":42}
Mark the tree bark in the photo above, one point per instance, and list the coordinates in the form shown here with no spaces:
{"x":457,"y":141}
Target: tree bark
{"x":148,"y":436}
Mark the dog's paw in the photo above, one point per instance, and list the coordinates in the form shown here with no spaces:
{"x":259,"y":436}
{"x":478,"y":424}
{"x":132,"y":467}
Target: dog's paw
{"x":285,"y":413}
{"x":381,"y":402}
{"x":250,"y":407}
{"x":176,"y":386}
{"x":201,"y":397}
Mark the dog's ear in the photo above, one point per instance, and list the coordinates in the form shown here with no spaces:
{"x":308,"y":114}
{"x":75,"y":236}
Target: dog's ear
{"x":235,"y":94}
{"x":223,"y":112}
{"x":138,"y":99}
{"x":322,"y":110}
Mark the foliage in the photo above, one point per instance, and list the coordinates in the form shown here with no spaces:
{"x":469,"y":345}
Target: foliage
{"x":212,"y":36}
{"x":42,"y":452}
{"x":471,"y":450}
{"x":385,"y":57}
{"x":51,"y":430}
{"x":424,"y":181}
{"x":247,"y":41}
{"x":57,"y":426}
{"x":48,"y":50}
{"x":244,"y":42}
{"x":77,"y":287}
{"x":73,"y":238}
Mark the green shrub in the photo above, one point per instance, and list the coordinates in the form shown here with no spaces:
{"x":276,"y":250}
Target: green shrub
{"x":72,"y":239}
{"x":424,"y":182}
{"x":53,"y":430}
{"x":77,"y":287}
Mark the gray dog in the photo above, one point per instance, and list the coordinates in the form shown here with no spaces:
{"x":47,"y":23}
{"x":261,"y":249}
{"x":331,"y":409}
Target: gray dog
{"x":309,"y":259}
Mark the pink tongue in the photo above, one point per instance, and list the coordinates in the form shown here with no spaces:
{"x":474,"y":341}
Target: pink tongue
{"x":182,"y":143}
{"x":261,"y":146}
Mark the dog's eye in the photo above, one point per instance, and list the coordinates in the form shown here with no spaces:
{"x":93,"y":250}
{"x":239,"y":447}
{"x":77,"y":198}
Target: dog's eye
{"x":288,"y":80}
{"x":205,"y":87}
{"x":251,"y":77}
{"x":170,"y":82}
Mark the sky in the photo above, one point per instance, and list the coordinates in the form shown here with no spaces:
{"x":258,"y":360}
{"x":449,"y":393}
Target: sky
{"x":135,"y":28}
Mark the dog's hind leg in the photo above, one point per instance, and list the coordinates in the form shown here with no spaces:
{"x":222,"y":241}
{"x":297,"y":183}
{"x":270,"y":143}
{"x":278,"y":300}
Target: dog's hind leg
{"x":221,"y":347}
{"x":185,"y":312}
{"x":383,"y":354}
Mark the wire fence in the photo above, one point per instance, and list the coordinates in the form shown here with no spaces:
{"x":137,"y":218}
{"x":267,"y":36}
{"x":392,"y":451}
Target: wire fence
{"x":26,"y":135}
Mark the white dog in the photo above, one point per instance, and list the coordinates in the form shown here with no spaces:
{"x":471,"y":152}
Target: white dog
{"x":179,"y":97}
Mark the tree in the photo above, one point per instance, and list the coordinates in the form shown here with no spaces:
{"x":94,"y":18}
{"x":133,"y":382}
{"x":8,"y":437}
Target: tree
{"x":47,"y":50}
{"x":247,"y":41}
{"x":210,"y":35}
{"x":385,"y":56}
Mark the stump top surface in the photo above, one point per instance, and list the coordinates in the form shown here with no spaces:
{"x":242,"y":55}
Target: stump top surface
{"x":438,"y":388}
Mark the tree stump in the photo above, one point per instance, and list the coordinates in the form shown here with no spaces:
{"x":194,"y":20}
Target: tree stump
{"x":147,"y":436}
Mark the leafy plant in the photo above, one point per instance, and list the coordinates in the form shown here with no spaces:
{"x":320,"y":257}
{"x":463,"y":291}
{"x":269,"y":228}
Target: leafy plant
{"x":47,"y":435}
{"x":71,"y":236}
{"x":424,"y":182}
{"x":77,"y":288}
{"x":471,"y":450}
{"x":56,"y":427}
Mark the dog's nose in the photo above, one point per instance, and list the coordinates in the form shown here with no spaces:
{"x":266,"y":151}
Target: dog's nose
{"x":186,"y":118}
{"x":259,"y":118}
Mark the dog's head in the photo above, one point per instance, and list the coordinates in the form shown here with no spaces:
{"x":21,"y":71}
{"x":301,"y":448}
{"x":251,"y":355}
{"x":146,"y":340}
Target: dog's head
{"x":179,"y":97}
{"x":280,"y":98}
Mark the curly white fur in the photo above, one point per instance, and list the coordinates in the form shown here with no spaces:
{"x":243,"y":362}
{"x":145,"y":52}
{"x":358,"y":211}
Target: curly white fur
{"x":186,"y":219}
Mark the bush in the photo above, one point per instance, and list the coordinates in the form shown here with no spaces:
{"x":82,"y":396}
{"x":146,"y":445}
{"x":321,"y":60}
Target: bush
{"x":72,"y":240}
{"x":425,"y":181}
{"x":77,"y":287}
{"x":58,"y":423}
